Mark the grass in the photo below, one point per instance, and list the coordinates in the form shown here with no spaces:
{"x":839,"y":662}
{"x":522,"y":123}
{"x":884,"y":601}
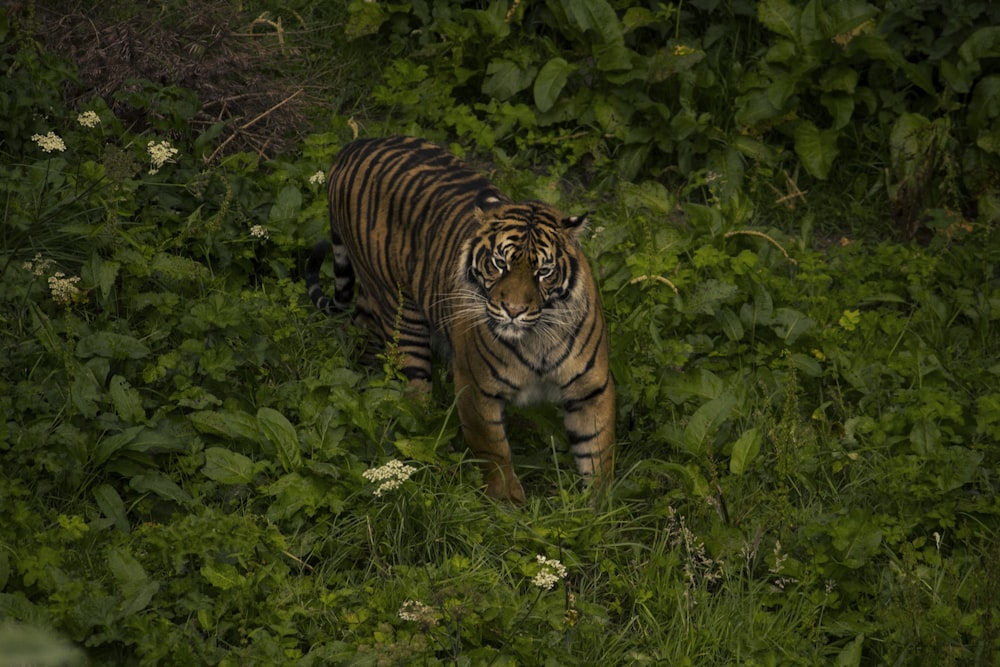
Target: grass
{"x":806,"y":471}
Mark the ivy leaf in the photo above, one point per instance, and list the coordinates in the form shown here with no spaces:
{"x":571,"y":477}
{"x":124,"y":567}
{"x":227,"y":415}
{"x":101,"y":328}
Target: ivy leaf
{"x":816,"y":148}
{"x":550,"y":82}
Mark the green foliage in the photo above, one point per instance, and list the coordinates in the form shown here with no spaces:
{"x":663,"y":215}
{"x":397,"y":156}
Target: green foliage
{"x":196,"y":468}
{"x":749,"y":91}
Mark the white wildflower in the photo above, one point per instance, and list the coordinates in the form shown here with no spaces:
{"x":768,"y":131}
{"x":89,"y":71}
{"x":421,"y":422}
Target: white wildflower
{"x":89,"y":119}
{"x":319,"y":178}
{"x":389,"y":476}
{"x":64,"y":290}
{"x":418,"y":612}
{"x":37,"y":266}
{"x":551,"y":572}
{"x":160,"y":154}
{"x":259,"y":232}
{"x":49,"y":142}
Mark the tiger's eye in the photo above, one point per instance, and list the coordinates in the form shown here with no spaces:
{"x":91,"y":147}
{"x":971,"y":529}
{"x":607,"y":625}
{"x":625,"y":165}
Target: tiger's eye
{"x":500,"y":263}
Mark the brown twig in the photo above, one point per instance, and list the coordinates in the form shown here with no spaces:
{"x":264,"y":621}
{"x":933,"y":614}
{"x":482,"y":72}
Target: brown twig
{"x":249,"y":123}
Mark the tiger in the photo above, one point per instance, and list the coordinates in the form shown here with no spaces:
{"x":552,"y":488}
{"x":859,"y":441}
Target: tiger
{"x":441,"y":255}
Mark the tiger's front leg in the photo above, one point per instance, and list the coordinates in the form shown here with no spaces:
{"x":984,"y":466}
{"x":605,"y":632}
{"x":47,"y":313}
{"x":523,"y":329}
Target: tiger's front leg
{"x":590,"y":427}
{"x":482,"y":420}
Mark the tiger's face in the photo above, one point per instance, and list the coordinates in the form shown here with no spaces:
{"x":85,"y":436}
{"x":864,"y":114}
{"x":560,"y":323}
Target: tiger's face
{"x":521,"y":270}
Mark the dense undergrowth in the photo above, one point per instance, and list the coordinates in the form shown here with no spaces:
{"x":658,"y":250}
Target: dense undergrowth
{"x":196,"y":466}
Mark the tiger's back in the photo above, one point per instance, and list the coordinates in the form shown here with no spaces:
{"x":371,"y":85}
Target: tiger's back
{"x":436,"y":248}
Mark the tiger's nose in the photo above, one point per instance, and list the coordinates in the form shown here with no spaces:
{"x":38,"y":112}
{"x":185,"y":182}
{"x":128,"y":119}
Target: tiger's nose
{"x":514,"y":309}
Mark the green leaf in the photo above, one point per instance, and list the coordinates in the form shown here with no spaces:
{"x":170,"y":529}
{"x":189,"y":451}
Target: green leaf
{"x":504,"y":79}
{"x":730,"y":323}
{"x":127,"y":401}
{"x":789,"y":324}
{"x":227,"y":467}
{"x":850,"y":655}
{"x":159,"y":484}
{"x":596,"y":16}
{"x":816,"y":148}
{"x":706,"y":420}
{"x":280,"y":432}
{"x":550,"y":82}
{"x":102,"y":273}
{"x":779,"y":16}
{"x":136,"y":587}
{"x":231,"y":424}
{"x":222,"y":575}
{"x":745,"y":450}
{"x":111,"y":505}
{"x":111,"y":346}
{"x":287,"y":205}
{"x":108,"y":445}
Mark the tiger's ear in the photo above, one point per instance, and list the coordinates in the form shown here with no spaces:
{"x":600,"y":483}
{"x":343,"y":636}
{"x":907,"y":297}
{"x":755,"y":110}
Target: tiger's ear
{"x":484,"y":202}
{"x":576,"y":224}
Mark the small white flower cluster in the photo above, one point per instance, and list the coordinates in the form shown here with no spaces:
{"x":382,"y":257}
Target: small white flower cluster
{"x":49,"y":142}
{"x":259,"y":232}
{"x":160,"y":154}
{"x":89,"y":119}
{"x":389,"y":476}
{"x":551,"y":572}
{"x":418,"y":612}
{"x":319,"y":178}
{"x":64,"y":290}
{"x":37,"y":266}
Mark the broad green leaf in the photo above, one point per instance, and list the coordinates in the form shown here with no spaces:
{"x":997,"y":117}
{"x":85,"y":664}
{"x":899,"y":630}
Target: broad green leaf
{"x":807,"y":365}
{"x":157,"y":483}
{"x":102,"y":273}
{"x":596,"y":16}
{"x":779,"y":16}
{"x":754,"y":149}
{"x":136,"y":587}
{"x":221,"y":575}
{"x":857,"y":539}
{"x":983,"y":43}
{"x":177,"y":267}
{"x":840,"y":106}
{"x":850,"y":655}
{"x":876,"y":47}
{"x":706,"y":420}
{"x":280,"y":432}
{"x":550,"y":82}
{"x":789,"y":324}
{"x":419,"y":448}
{"x":504,"y":79}
{"x":111,"y":346}
{"x":984,"y":108}
{"x":745,"y":450}
{"x":730,"y":323}
{"x":108,"y":445}
{"x":111,"y":506}
{"x":127,"y":401}
{"x":287,"y":205}
{"x":86,"y":391}
{"x":925,"y":436}
{"x":232,"y":424}
{"x":694,"y":481}
{"x":817,"y":149}
{"x":227,"y":467}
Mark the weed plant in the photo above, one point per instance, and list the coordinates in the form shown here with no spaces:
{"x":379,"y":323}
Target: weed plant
{"x":197,"y":468}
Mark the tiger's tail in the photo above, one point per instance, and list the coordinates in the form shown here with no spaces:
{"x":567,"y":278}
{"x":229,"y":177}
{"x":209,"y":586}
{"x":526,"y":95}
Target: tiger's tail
{"x":343,"y":273}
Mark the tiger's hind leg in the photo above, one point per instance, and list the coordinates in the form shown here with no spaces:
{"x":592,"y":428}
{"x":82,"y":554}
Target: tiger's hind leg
{"x":407,"y":337}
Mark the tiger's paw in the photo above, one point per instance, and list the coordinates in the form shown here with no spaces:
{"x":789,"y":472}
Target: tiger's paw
{"x":504,"y":486}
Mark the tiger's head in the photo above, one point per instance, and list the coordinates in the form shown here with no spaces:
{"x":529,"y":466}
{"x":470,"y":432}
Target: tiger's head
{"x":522,"y":268}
